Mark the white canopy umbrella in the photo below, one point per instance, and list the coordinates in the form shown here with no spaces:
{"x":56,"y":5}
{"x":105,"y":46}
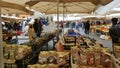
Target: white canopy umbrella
{"x":9,"y":7}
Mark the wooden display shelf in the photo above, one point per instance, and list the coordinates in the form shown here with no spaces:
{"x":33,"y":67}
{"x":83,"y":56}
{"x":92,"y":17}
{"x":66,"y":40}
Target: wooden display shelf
{"x":9,"y":63}
{"x":106,"y":32}
{"x":9,"y":35}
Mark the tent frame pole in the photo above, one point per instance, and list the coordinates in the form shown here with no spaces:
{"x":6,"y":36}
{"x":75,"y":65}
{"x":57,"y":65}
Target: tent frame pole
{"x":63,"y":17}
{"x":1,"y":46}
{"x":58,"y":14}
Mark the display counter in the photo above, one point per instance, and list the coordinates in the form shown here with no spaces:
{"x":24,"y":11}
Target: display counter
{"x":13,"y":33}
{"x":102,"y":31}
{"x":9,"y":35}
{"x":94,"y":56}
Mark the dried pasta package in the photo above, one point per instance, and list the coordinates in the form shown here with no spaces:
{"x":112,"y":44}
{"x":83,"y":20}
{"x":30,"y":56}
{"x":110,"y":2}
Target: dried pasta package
{"x":52,"y":66}
{"x":83,"y":59}
{"x":41,"y":65}
{"x":75,"y":55}
{"x":61,"y":61}
{"x":117,"y":54}
{"x":106,"y":60}
{"x":117,"y":48}
{"x":52,"y":58}
{"x":4,"y":44}
{"x":100,"y":66}
{"x":43,"y":54}
{"x":107,"y":50}
{"x":97,"y":58}
{"x":74,"y":50}
{"x":62,"y":57}
{"x":76,"y":59}
{"x":91,"y":60}
{"x":97,"y":55}
{"x":83,"y":66}
{"x":97,"y":48}
{"x":75,"y":66}
{"x":52,"y":53}
{"x":43,"y":57}
{"x":59,"y":47}
{"x":92,"y":67}
{"x":117,"y":51}
{"x":91,"y":57}
{"x":31,"y":66}
{"x":22,"y":51}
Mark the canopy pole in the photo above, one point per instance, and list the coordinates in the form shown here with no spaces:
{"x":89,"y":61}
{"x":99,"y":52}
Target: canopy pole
{"x":58,"y":14}
{"x":1,"y":46}
{"x":63,"y":16}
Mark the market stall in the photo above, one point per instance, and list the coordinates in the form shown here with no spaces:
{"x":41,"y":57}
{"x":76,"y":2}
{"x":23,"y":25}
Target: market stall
{"x":71,"y":50}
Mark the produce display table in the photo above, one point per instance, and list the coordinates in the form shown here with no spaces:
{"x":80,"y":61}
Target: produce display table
{"x":14,"y":33}
{"x":106,"y":32}
{"x":8,"y":37}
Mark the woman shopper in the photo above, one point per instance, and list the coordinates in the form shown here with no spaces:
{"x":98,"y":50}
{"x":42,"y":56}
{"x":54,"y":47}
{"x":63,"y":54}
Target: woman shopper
{"x":31,"y":32}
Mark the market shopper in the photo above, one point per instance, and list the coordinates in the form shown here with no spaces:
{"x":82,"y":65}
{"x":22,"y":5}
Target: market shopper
{"x":87,"y":27}
{"x":37,"y":27}
{"x":31,"y":32}
{"x":73,"y":25}
{"x":77,"y":26}
{"x":115,"y":32}
{"x":9,"y":27}
{"x":15,"y":26}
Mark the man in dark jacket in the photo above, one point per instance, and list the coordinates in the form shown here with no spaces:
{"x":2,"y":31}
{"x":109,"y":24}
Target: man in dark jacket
{"x":87,"y":27}
{"x":37,"y":27}
{"x":115,"y":32}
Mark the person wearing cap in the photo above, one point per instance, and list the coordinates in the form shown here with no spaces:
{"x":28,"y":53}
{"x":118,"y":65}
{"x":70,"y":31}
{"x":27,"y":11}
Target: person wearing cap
{"x":114,"y":32}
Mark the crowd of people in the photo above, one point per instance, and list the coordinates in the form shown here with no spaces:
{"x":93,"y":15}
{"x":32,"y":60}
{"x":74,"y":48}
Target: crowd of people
{"x":85,"y":25}
{"x":35,"y":29}
{"x":30,"y":27}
